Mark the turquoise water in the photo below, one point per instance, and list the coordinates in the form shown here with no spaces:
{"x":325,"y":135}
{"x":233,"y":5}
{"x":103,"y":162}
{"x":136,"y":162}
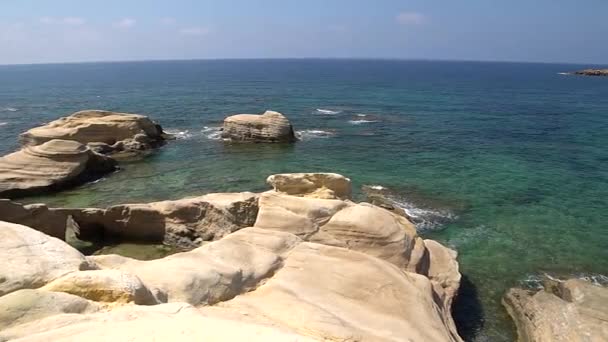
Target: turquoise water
{"x":514,"y":154}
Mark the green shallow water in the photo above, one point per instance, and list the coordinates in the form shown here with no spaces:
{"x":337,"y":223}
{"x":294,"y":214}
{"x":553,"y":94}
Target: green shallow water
{"x":513,"y":154}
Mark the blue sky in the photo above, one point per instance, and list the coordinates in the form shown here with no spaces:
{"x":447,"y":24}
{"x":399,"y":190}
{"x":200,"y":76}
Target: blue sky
{"x":510,"y":30}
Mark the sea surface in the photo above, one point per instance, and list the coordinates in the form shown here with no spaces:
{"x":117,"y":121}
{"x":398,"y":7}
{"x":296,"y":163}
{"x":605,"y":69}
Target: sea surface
{"x":505,"y":162}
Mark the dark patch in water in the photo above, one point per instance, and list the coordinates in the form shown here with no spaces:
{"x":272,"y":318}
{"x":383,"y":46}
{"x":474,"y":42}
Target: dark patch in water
{"x":467,"y":310}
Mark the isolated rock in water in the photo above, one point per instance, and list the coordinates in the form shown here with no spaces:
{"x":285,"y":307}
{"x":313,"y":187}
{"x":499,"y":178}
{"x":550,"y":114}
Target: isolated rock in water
{"x":36,"y":216}
{"x":268,"y":127}
{"x":24,"y":306}
{"x":118,"y":131}
{"x":31,"y":259}
{"x":592,"y":72}
{"x":166,"y":322}
{"x":54,"y":165}
{"x":318,"y":185}
{"x":104,"y":286}
{"x":574,"y":310}
{"x":185,"y":223}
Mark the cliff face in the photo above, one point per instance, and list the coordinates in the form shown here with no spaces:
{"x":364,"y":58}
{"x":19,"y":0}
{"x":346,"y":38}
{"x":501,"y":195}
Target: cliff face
{"x":309,"y":268}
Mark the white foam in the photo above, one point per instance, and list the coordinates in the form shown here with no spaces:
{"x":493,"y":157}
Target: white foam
{"x":313,"y":133}
{"x":535,"y":281}
{"x":377,"y":187}
{"x":564,"y":73}
{"x":361,"y":121}
{"x":10,"y":109}
{"x":180,"y":135}
{"x":328,"y":111}
{"x":361,"y":115}
{"x":3,"y":123}
{"x":212,"y":133}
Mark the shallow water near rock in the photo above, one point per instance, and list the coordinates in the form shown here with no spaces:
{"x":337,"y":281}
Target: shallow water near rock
{"x":518,"y":148}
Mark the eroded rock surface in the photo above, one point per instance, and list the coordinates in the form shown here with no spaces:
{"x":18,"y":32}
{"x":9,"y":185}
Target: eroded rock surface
{"x":268,"y":127}
{"x":573,"y":310}
{"x":317,"y":185}
{"x":31,"y":259}
{"x":51,"y":166}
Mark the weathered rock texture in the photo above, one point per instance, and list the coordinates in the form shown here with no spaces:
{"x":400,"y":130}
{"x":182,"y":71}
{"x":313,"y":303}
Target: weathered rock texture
{"x":37,"y":216}
{"x":592,"y":72}
{"x":318,"y":185}
{"x":105,"y":131}
{"x":268,"y":127}
{"x":31,"y":259}
{"x":574,"y":310}
{"x":54,"y":165}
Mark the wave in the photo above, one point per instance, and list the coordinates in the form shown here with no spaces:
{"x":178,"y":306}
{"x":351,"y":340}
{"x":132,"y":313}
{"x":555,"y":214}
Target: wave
{"x":564,"y":73}
{"x":313,"y":133}
{"x":9,"y":109}
{"x":3,"y":123}
{"x":536,"y":281}
{"x":361,"y":115}
{"x":423,"y":218}
{"x":212,"y":133}
{"x":361,"y":121}
{"x":180,"y":135}
{"x":328,"y":111}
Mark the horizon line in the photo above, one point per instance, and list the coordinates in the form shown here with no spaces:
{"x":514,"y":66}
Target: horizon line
{"x":299,"y":58}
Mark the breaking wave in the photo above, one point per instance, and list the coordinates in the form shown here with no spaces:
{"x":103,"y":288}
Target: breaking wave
{"x":180,"y":135}
{"x":9,"y":109}
{"x":361,"y":121}
{"x":328,"y":111}
{"x":313,"y":133}
{"x":535,"y":281}
{"x":3,"y":123}
{"x":212,"y":133}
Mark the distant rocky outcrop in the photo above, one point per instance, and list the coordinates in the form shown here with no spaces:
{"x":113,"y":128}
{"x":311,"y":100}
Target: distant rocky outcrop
{"x":51,"y":166}
{"x":592,"y":72}
{"x":104,"y":131}
{"x":572,"y":310}
{"x":272,"y":127}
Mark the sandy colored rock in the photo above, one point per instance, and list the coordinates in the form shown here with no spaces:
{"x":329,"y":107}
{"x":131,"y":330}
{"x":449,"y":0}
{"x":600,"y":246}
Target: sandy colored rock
{"x":592,"y":72}
{"x":573,"y":310}
{"x":36,"y":216}
{"x":441,"y":267}
{"x":186,"y":222}
{"x":215,"y":272}
{"x":31,"y":259}
{"x":109,"y":286}
{"x":166,"y":322}
{"x":317,"y":185}
{"x":54,"y":165}
{"x":268,"y":127}
{"x":98,"y":126}
{"x":24,"y":306}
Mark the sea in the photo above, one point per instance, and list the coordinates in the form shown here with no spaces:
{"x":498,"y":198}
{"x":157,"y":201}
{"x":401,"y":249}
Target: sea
{"x":507,"y":163}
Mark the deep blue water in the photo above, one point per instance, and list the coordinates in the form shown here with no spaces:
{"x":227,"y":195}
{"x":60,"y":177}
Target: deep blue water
{"x":513,"y":156}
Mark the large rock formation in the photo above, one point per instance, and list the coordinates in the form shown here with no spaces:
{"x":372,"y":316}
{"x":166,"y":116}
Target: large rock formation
{"x":37,"y":216}
{"x":572,"y":310}
{"x":271,"y":282}
{"x":54,"y":165}
{"x":105,"y":131}
{"x":268,"y":127}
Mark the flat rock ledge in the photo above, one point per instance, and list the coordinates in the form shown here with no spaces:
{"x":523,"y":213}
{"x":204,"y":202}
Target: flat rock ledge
{"x":572,"y":310}
{"x":307,"y":269}
{"x":269,"y":127}
{"x":51,"y":166}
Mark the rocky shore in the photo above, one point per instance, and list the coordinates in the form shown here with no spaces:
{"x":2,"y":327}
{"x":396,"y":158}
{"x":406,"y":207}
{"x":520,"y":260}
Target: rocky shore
{"x":313,"y":265}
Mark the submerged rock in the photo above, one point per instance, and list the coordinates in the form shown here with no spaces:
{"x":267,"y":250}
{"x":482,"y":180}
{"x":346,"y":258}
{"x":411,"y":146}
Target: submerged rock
{"x":271,"y":127}
{"x":107,"y":132}
{"x":572,"y":310}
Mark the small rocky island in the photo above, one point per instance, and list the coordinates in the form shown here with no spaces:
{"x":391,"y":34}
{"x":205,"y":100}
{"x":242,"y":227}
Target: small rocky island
{"x":592,"y":72}
{"x":269,"y":127}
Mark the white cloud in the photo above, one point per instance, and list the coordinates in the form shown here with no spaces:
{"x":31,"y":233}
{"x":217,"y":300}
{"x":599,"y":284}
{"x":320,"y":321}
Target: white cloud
{"x":167,"y":21}
{"x":75,"y":21}
{"x":125,"y":23}
{"x":194,"y":31}
{"x":411,"y":18}
{"x":72,"y":21}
